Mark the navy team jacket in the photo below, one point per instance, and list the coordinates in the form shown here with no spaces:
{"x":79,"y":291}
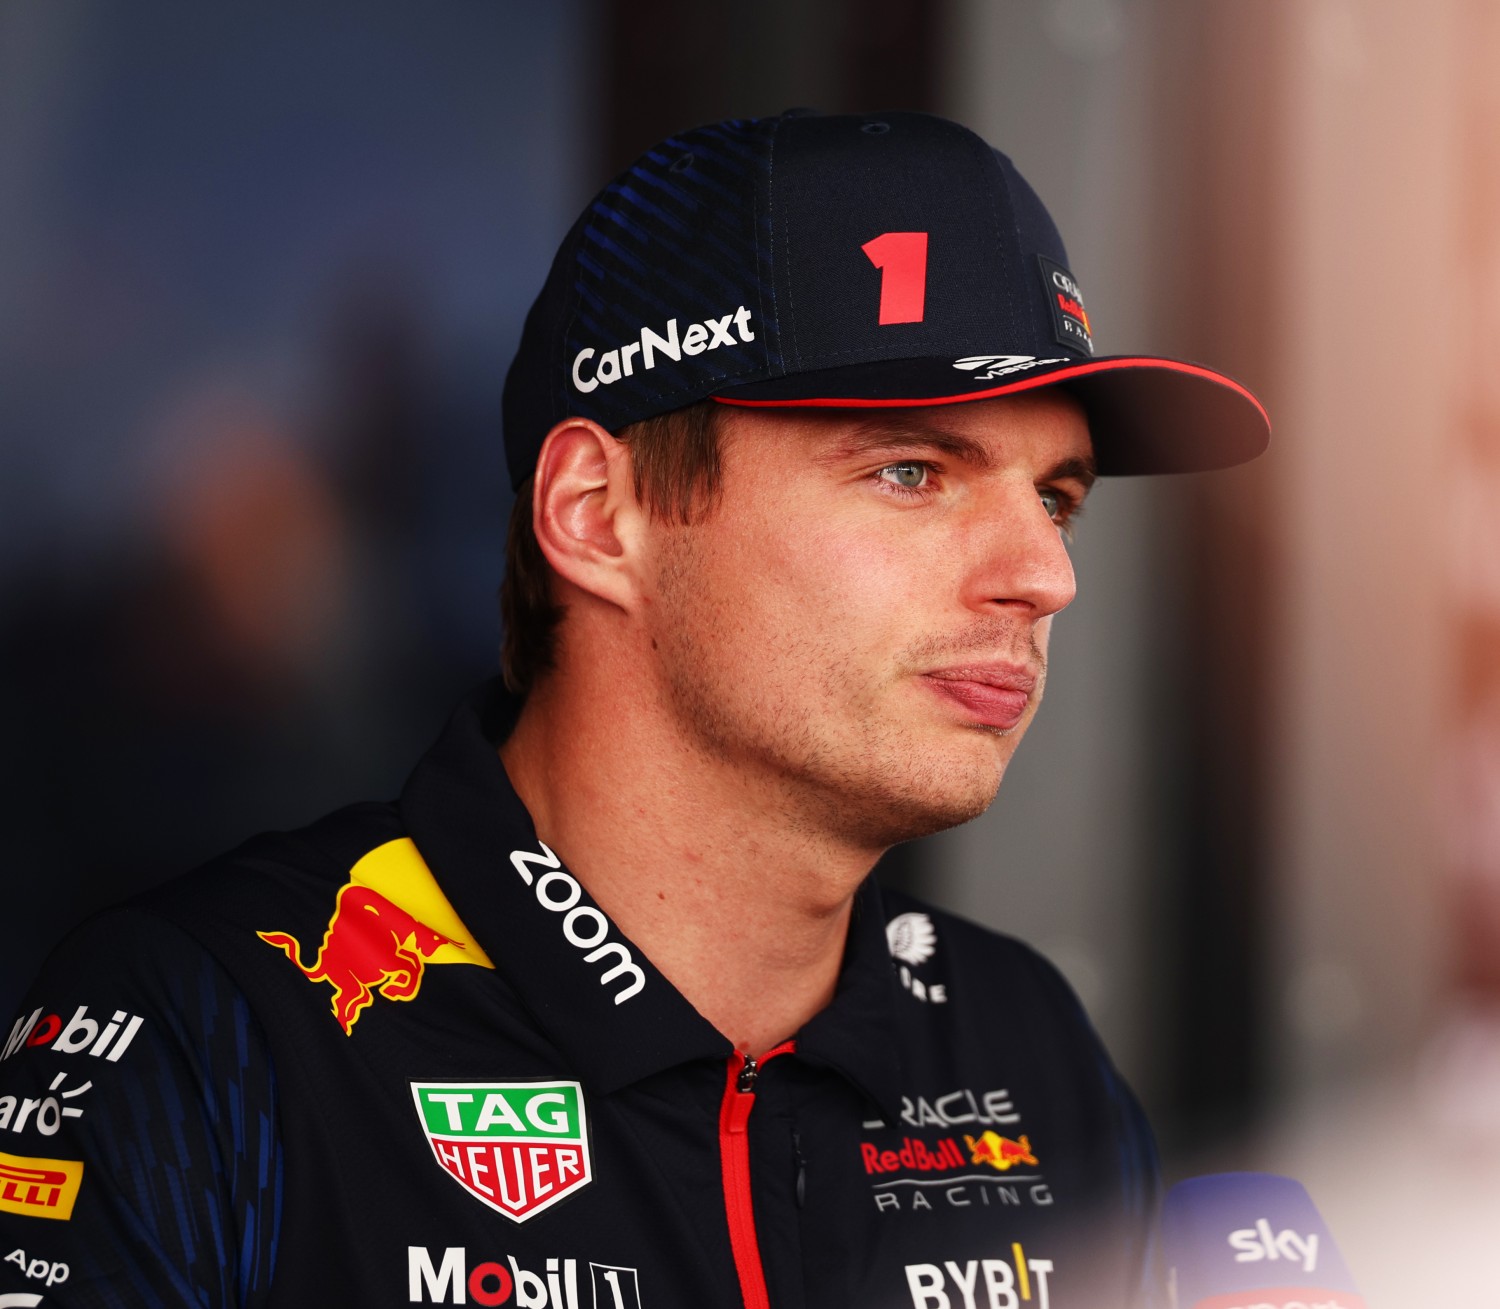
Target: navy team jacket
{"x":401,"y":1057}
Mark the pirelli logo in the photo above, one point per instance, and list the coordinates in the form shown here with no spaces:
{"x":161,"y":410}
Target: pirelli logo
{"x":39,"y":1188}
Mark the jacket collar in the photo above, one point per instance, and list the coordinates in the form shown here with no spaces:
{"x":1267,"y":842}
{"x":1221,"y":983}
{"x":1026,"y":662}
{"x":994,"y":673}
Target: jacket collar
{"x":592,"y":991}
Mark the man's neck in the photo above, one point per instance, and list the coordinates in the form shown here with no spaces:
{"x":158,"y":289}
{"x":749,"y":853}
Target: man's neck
{"x":743,"y":908}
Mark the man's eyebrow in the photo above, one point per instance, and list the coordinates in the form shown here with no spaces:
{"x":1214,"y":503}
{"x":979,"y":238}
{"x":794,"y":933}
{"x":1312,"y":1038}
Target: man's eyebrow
{"x":876,"y":436}
{"x":1076,"y":468}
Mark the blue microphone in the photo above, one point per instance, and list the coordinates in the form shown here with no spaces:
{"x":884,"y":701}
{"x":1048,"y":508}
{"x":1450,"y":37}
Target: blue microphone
{"x":1250,"y":1241}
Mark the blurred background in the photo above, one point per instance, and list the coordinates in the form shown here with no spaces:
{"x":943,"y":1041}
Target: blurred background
{"x":261,"y":274}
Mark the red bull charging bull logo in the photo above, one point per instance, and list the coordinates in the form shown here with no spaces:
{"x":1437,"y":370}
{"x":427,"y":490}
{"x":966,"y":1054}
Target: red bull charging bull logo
{"x":999,"y":1152}
{"x":389,"y":922}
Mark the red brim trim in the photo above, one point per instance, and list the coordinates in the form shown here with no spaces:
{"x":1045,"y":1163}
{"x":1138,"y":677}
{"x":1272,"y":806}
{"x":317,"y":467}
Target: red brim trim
{"x":1024,"y":384}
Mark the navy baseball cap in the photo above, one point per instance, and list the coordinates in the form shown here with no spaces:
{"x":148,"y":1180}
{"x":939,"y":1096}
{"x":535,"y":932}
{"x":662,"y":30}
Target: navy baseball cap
{"x":842,"y":261}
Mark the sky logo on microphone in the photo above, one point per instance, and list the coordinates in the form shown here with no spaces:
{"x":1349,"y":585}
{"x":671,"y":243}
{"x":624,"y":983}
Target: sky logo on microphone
{"x":1250,"y":1241}
{"x":1252,"y":1244}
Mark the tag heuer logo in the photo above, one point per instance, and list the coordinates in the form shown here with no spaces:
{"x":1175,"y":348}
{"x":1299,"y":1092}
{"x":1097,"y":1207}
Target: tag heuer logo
{"x":517,"y":1146}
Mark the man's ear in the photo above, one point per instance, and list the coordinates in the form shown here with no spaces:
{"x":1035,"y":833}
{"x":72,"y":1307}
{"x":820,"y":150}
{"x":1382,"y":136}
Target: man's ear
{"x":584,"y":511}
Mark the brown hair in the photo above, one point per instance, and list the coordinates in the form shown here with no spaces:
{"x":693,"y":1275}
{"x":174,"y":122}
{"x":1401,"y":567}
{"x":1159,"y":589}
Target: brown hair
{"x":675,"y":461}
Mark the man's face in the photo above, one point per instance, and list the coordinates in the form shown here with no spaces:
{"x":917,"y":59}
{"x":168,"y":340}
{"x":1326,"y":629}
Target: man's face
{"x":858,"y":628}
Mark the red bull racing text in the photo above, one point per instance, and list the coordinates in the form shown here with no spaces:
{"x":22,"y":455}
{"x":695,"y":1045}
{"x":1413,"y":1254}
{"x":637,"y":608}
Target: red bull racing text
{"x":919,"y":1176}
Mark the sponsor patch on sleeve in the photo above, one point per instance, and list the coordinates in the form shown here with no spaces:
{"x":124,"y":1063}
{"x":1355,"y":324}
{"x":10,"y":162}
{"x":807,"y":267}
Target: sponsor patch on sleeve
{"x":39,"y":1188}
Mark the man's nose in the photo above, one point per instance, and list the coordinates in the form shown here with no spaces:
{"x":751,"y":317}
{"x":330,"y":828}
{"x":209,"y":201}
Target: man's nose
{"x":1021,"y":561}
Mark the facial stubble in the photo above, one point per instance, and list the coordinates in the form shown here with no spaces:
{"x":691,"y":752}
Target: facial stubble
{"x":836,"y":751}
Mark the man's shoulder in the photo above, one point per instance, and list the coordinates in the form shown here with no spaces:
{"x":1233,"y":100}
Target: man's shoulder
{"x":277,"y":871}
{"x":224,"y":911}
{"x":229,"y":926}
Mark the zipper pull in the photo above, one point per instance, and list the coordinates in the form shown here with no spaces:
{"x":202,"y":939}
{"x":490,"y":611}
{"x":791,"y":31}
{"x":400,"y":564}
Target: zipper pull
{"x":745,"y":1083}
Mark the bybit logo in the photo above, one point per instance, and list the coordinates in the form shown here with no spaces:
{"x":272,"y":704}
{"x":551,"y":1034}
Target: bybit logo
{"x":981,"y":1283}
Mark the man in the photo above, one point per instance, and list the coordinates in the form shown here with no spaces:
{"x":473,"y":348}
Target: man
{"x":604,"y":1012}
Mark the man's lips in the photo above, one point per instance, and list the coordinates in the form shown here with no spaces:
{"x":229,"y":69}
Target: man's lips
{"x":995,"y":695}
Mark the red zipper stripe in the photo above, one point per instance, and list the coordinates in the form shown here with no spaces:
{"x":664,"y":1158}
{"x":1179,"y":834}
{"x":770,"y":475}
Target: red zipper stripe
{"x":734,"y":1154}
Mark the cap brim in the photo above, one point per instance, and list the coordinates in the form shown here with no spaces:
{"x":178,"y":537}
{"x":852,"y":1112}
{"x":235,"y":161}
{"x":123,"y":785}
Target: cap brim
{"x":1146,"y":415}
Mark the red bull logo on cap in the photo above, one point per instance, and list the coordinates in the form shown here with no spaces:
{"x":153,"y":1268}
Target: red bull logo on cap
{"x":1000,"y":1152}
{"x":389,"y":922}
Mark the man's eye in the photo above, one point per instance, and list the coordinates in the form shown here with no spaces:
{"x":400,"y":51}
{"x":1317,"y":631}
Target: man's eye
{"x":910,"y":477}
{"x":1061,"y":508}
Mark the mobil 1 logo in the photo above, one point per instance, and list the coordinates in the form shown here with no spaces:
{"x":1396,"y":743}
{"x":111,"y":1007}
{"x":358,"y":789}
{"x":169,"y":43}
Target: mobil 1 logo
{"x":451,"y":1276}
{"x":519,"y":1147}
{"x":79,"y":1034}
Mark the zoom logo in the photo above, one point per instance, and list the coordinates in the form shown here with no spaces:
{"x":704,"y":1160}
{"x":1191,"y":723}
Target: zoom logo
{"x":583,"y":926}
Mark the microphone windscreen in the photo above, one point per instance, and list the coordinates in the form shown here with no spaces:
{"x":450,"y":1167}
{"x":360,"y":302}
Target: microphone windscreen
{"x":1250,"y":1241}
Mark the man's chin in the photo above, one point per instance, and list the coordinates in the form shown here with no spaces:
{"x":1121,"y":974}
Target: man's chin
{"x":931,"y":820}
{"x":925,"y":804}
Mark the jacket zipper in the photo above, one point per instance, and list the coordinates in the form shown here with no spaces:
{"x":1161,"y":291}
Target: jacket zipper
{"x":734,"y":1152}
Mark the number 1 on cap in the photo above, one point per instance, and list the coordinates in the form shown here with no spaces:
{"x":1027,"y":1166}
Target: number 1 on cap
{"x":902,"y":260}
